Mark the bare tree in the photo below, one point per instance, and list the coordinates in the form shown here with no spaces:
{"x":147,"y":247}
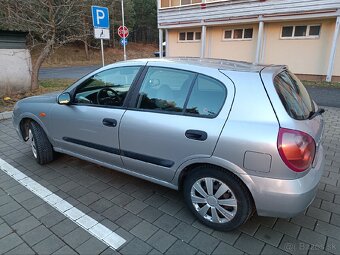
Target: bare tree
{"x":50,"y":23}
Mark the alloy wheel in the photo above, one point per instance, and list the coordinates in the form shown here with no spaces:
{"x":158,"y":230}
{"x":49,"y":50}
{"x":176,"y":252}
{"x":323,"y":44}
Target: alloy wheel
{"x":213,"y":200}
{"x":33,"y":145}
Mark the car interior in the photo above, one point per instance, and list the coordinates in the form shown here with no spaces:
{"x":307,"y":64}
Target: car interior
{"x":162,"y":90}
{"x":109,"y":87}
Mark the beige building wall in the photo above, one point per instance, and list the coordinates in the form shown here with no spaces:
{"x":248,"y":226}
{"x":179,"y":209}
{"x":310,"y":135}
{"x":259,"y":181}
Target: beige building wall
{"x":183,"y":49}
{"x":303,"y":56}
{"x":217,"y":47}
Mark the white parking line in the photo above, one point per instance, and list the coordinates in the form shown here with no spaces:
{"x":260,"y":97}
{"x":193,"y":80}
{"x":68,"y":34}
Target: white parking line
{"x":89,"y":224}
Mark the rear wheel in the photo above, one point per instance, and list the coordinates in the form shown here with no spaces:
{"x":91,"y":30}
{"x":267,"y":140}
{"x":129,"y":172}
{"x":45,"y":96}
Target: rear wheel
{"x":217,"y":198}
{"x":40,"y":145}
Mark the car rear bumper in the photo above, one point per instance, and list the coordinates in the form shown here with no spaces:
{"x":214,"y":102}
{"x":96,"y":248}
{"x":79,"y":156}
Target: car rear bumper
{"x":287,"y":198}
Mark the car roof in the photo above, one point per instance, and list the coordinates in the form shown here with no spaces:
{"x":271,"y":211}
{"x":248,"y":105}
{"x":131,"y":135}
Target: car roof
{"x":221,"y":64}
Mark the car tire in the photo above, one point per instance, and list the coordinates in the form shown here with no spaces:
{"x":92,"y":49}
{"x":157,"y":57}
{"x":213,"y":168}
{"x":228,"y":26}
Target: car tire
{"x":225,"y":206}
{"x":41,"y":147}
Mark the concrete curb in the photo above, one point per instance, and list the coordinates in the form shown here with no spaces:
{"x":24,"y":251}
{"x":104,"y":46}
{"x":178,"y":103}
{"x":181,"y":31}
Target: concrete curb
{"x":5,"y":115}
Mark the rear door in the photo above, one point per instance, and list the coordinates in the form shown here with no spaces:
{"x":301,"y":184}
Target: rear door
{"x":177,"y":115}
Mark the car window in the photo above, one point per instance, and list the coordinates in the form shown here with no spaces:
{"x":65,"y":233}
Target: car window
{"x":207,"y":97}
{"x":293,"y":95}
{"x":165,"y":89}
{"x":109,"y":87}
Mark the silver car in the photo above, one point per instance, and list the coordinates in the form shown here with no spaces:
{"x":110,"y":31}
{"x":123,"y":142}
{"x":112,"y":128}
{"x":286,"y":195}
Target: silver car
{"x":234,"y":137}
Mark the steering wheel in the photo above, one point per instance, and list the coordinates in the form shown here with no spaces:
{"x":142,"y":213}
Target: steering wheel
{"x":107,"y":96}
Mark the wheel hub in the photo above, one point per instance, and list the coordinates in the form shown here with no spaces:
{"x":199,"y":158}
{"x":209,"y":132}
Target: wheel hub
{"x":212,"y":201}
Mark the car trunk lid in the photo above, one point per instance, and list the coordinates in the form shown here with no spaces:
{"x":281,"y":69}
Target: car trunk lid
{"x":292,"y":103}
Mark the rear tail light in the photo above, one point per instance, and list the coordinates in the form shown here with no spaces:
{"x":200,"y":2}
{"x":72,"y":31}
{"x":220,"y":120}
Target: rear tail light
{"x":296,"y":148}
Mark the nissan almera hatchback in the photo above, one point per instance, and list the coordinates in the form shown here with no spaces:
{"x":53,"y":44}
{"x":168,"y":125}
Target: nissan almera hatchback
{"x":233,"y":137}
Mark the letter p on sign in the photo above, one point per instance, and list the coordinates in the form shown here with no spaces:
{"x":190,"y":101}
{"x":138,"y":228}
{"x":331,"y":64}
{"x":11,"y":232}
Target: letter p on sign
{"x":100,"y":17}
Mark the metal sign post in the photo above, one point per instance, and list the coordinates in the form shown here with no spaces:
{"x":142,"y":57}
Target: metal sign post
{"x":101,"y":24}
{"x":102,"y":47}
{"x":123,"y":33}
{"x":123,"y":19}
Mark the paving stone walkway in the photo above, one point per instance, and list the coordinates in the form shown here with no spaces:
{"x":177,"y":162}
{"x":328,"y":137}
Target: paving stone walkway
{"x":152,"y":219}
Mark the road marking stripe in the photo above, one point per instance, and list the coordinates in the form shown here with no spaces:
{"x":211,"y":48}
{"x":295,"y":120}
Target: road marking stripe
{"x":89,"y":224}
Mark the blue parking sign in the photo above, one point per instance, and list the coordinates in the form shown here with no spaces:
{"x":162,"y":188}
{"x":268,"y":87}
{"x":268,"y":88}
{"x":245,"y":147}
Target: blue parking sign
{"x":100,"y":17}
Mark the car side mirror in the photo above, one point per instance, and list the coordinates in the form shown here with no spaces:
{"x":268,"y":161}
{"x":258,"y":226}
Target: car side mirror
{"x":64,"y":98}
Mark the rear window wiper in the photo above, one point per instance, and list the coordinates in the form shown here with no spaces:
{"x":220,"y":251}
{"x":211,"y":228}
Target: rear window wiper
{"x":313,"y":114}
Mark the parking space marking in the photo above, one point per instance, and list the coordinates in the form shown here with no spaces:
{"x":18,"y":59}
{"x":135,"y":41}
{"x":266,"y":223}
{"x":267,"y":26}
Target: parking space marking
{"x":89,"y":224}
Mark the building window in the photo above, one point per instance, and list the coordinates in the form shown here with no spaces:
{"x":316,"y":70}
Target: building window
{"x":287,"y":31}
{"x":186,"y":2}
{"x":314,"y":30}
{"x":248,"y":33}
{"x":228,"y":34}
{"x":165,"y":3}
{"x":304,"y":31}
{"x":238,"y":34}
{"x":173,"y":3}
{"x":300,"y":31}
{"x":198,"y":36}
{"x":189,"y":36}
{"x":182,"y":36}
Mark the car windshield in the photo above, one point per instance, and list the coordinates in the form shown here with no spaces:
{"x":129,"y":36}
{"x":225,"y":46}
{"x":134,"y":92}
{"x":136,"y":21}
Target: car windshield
{"x":293,"y":95}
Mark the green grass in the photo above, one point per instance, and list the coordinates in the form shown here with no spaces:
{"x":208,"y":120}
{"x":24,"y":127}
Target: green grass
{"x":56,"y":84}
{"x":322,"y":84}
{"x":45,"y":86}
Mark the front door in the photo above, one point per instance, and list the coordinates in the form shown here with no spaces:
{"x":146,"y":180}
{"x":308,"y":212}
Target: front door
{"x":178,"y":116}
{"x":89,"y":126}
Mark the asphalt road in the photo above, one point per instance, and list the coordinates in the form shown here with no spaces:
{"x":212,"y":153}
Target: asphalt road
{"x":74,"y":72}
{"x":322,"y":96}
{"x":325,"y":96}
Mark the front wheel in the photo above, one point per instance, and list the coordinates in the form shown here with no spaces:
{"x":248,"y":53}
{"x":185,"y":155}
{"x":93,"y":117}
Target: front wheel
{"x":40,"y":145}
{"x":217,"y":198}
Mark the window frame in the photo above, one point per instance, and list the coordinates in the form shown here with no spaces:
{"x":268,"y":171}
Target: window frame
{"x":186,"y":36}
{"x":237,"y":39}
{"x":135,"y":96}
{"x":128,"y":95}
{"x":307,"y":36}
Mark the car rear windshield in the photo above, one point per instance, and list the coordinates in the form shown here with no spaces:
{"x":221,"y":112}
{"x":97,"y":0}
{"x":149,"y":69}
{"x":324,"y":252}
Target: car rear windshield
{"x":293,"y":95}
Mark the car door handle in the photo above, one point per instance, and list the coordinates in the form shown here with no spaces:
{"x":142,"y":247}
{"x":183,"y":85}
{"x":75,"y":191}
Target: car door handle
{"x":109,"y":122}
{"x":196,"y":135}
